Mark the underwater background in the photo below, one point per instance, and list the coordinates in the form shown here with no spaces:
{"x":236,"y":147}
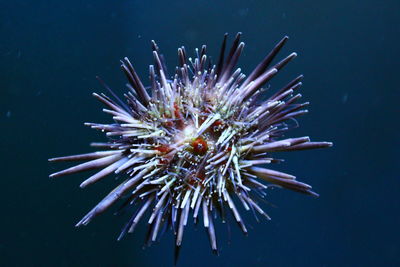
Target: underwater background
{"x":51,"y":52}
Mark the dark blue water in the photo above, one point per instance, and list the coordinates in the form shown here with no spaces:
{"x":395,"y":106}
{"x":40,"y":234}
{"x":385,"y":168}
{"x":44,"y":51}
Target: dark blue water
{"x":51,"y":51}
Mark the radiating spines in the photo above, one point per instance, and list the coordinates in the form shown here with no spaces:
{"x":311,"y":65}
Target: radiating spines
{"x":263,"y":65}
{"x":87,"y":156}
{"x":102,"y":161}
{"x":199,"y":144}
{"x":221,"y":58}
{"x":135,"y":81}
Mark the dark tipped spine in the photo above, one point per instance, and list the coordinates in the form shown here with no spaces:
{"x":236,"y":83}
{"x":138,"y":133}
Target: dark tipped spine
{"x":266,"y":62}
{"x":135,"y":82}
{"x":220,"y":64}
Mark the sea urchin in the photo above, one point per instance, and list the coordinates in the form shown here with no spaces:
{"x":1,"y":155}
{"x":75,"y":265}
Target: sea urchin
{"x":195,"y":144}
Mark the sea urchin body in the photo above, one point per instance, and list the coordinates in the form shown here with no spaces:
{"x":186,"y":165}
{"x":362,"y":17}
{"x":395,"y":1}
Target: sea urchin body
{"x":195,"y":144}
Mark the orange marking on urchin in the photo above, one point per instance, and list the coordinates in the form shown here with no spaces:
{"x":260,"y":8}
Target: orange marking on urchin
{"x":217,"y":126}
{"x":164,"y":161}
{"x":178,"y":116}
{"x":162,"y":148}
{"x":167,"y":122}
{"x":199,"y":146}
{"x":163,"y":152}
{"x":218,"y":123}
{"x":177,"y":112}
{"x":197,"y":178}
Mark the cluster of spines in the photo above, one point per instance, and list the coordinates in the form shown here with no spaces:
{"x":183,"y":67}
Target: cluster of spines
{"x":195,"y":142}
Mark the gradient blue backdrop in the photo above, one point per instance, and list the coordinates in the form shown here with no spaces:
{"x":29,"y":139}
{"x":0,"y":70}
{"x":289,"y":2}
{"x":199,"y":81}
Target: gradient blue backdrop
{"x":51,"y":51}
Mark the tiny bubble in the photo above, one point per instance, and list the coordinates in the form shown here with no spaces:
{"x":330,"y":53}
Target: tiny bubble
{"x":344,"y":98}
{"x":243,"y":12}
